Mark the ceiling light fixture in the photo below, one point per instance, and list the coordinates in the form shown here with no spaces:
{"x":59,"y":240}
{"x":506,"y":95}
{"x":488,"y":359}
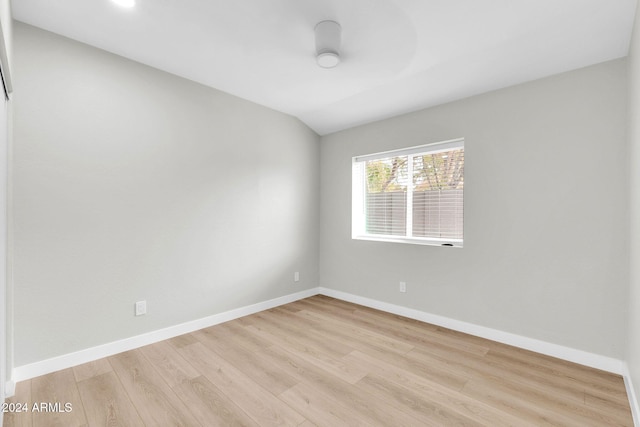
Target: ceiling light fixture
{"x":125,"y":3}
{"x":328,"y":37}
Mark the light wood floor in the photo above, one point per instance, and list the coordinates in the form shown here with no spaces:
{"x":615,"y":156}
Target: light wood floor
{"x":325,"y":362}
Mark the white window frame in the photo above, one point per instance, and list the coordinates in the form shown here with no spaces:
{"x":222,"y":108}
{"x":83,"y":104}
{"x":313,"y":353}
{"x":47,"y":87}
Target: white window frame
{"x":358,"y":211}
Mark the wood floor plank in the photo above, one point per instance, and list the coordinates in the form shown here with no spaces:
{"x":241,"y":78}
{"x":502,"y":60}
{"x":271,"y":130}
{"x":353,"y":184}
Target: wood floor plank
{"x":257,"y":402}
{"x":404,"y":322}
{"x":156,"y":403}
{"x":169,"y":364}
{"x":328,"y":305}
{"x":355,"y":338}
{"x":448,"y":377}
{"x":57,"y":389}
{"x":245,"y":320}
{"x":238,"y":335}
{"x":232,"y":334}
{"x":322,"y":362}
{"x":426,"y":410}
{"x":251,"y":364}
{"x":284,"y":324}
{"x":453,"y":400}
{"x":542,"y":361}
{"x":368,"y":407}
{"x":181,"y":340}
{"x":289,"y":307}
{"x":376,"y":338}
{"x":541,"y":407}
{"x":594,"y":381}
{"x":481,"y":368}
{"x":321,"y":304}
{"x":419,"y":335}
{"x":615,"y":409}
{"x":563,"y":400}
{"x":526,"y":411}
{"x":106,"y":403}
{"x":323,"y":410}
{"x":91,"y":369}
{"x":210,"y":406}
{"x":332,"y":365}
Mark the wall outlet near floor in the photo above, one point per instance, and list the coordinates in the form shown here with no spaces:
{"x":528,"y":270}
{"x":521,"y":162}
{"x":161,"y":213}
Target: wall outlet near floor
{"x":296,"y":276}
{"x":403,"y":286}
{"x":141,"y":308}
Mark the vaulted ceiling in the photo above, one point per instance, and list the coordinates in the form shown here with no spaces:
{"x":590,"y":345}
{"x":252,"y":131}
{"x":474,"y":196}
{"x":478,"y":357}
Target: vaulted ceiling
{"x":397,"y":55}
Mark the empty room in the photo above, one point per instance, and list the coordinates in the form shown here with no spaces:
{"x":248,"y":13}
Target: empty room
{"x":320,"y":213}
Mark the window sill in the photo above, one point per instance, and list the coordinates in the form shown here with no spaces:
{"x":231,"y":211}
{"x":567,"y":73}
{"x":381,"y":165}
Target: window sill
{"x":411,"y":240}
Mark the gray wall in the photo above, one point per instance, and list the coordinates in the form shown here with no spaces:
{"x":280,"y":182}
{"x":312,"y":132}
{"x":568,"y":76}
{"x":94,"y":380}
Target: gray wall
{"x":633,"y":356}
{"x":132,"y":184}
{"x":546,"y":199}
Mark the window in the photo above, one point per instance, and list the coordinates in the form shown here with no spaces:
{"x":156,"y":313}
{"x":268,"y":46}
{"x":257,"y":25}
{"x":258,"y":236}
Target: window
{"x":414,"y":195}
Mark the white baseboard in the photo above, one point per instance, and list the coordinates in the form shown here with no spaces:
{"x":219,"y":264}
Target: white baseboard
{"x":9,"y":388}
{"x":581,"y":357}
{"x":43,"y":367}
{"x":633,"y":397}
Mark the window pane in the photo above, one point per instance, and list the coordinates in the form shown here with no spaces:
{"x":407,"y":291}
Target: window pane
{"x":438,"y":182}
{"x":386,"y":196}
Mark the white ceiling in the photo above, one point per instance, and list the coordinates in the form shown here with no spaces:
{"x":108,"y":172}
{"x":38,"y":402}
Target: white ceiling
{"x":397,"y":55}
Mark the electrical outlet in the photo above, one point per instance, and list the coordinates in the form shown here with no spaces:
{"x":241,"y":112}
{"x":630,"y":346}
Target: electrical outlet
{"x":296,"y":276}
{"x":403,"y":286}
{"x":141,"y":308}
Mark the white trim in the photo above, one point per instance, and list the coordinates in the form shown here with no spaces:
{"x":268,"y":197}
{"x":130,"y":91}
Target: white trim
{"x":43,"y":367}
{"x":431,"y":148}
{"x":357,"y":199}
{"x":581,"y":357}
{"x":428,"y":241}
{"x":9,"y":388}
{"x":408,"y":231}
{"x":631,"y":394}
